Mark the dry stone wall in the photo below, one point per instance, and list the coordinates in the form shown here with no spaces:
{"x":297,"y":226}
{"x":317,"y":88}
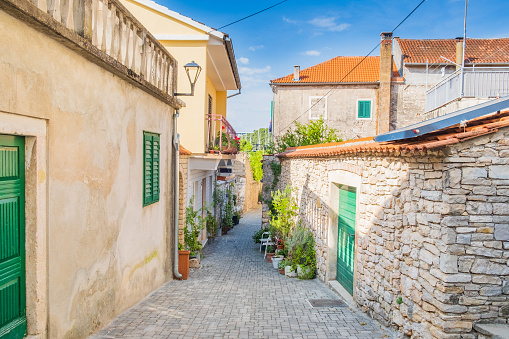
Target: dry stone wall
{"x":432,"y":233}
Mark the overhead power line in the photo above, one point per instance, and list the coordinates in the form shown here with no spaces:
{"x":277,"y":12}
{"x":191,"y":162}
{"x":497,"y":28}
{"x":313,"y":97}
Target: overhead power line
{"x":357,"y":65}
{"x":244,"y":18}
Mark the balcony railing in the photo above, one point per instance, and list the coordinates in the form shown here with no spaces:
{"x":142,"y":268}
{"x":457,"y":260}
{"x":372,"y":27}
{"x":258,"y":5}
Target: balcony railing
{"x":221,"y":137}
{"x":478,"y":82}
{"x":112,"y":29}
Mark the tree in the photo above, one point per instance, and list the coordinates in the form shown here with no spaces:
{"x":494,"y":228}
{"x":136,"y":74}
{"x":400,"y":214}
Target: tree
{"x":312,"y":133}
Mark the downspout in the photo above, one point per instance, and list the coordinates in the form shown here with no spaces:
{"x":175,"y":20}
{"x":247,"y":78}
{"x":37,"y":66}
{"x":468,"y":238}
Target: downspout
{"x":176,"y":138}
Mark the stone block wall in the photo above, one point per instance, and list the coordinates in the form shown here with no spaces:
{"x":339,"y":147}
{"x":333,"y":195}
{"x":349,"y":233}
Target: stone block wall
{"x":432,"y":233}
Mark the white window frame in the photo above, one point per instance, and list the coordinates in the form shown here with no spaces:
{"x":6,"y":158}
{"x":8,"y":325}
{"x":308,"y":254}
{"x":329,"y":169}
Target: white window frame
{"x":324,"y":99}
{"x":370,"y":109}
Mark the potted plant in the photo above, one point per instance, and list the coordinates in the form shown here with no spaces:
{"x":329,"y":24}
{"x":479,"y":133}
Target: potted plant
{"x":183,"y":262}
{"x":281,"y":266}
{"x":280,"y":244}
{"x":192,"y":230}
{"x":211,"y":224}
{"x":236,"y":217}
{"x":301,"y":248}
{"x":276,"y":259}
{"x":270,"y":252}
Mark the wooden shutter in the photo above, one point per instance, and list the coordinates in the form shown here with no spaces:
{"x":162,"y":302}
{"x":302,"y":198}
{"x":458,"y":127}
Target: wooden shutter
{"x":151,"y":187}
{"x":364,"y":109}
{"x":12,"y":237}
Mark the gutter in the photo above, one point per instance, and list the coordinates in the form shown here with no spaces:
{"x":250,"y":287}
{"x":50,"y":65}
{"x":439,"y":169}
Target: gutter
{"x":176,"y":138}
{"x":231,"y":56}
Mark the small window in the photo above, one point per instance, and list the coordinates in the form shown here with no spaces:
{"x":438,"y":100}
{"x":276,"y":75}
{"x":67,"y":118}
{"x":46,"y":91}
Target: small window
{"x":151,"y":187}
{"x":317,"y":107}
{"x":364,"y":109}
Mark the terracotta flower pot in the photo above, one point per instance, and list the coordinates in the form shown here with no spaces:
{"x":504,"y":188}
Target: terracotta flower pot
{"x":282,"y":271}
{"x":281,"y":247}
{"x":269,"y":257}
{"x":184,"y":264}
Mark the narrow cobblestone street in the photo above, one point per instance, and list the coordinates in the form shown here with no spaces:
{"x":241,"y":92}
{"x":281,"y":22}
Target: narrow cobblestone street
{"x":237,"y":294}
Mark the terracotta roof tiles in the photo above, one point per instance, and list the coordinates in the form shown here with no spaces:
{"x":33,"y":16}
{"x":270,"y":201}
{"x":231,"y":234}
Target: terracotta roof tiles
{"x":478,"y":51}
{"x":184,"y":151}
{"x":447,"y":136}
{"x":335,"y":69}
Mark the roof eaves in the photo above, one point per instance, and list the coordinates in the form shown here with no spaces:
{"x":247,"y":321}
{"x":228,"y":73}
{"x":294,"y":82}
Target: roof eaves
{"x":164,"y":10}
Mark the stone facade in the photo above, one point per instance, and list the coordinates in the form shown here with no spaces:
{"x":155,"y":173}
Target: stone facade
{"x":432,"y":231}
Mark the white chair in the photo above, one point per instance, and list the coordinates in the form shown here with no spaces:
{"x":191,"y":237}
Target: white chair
{"x":265,"y":237}
{"x":267,"y":244}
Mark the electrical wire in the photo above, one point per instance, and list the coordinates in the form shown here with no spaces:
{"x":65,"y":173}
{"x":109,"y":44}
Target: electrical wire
{"x":357,"y":65}
{"x":244,"y":18}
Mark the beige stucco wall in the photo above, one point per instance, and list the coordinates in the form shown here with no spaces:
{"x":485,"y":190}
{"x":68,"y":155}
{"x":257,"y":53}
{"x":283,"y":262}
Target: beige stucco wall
{"x":105,"y":251}
{"x":292,"y":102}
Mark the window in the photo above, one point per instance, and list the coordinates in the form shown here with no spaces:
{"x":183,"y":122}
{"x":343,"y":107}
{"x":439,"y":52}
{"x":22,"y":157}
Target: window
{"x":364,"y":109}
{"x":151,"y":168}
{"x":317,"y":108}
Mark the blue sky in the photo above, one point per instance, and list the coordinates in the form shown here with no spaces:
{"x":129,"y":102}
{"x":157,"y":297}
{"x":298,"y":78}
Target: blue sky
{"x":306,"y":33}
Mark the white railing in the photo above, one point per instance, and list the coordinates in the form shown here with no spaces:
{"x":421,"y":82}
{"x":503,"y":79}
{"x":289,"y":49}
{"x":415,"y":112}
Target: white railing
{"x":110,"y":27}
{"x":478,"y":82}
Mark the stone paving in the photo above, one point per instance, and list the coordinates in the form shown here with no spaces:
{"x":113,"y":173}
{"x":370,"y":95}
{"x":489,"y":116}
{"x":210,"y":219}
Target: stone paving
{"x":237,"y":294}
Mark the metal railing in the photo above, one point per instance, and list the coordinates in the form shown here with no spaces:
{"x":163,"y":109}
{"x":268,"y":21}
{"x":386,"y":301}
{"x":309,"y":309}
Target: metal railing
{"x":221,"y":137}
{"x":112,"y":29}
{"x":478,"y":82}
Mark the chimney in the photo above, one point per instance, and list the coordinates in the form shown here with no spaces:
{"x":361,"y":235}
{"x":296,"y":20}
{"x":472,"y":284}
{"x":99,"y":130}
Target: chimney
{"x":384,"y":91}
{"x":296,"y":73}
{"x":459,"y":52}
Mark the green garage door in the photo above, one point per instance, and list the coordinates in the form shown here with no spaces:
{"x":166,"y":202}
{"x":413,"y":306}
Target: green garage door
{"x":346,"y":237}
{"x":13,"y":322}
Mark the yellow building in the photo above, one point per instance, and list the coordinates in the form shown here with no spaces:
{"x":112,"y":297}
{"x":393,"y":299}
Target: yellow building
{"x":204,"y":116}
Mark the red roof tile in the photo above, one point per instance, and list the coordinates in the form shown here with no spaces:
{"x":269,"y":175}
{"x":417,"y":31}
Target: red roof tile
{"x":335,"y":69}
{"x":478,"y":51}
{"x":184,"y":151}
{"x":441,"y":138}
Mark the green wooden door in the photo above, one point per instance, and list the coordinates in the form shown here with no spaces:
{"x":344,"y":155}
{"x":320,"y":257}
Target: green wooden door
{"x":346,"y":237}
{"x":13,"y":322}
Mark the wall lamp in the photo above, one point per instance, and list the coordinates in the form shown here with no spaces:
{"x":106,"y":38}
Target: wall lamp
{"x":193,"y":71}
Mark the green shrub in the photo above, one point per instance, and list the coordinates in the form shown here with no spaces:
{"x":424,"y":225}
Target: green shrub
{"x":315,"y":132}
{"x":258,"y":235}
{"x":301,"y":248}
{"x":255,"y":161}
{"x":285,"y":207}
{"x":193,"y":227}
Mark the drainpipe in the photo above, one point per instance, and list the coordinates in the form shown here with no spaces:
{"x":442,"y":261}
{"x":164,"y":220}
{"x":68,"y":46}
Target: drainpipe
{"x":176,"y":138}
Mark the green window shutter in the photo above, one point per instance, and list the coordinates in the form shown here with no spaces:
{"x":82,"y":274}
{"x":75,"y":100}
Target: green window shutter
{"x":151,"y":147}
{"x":364,"y":110}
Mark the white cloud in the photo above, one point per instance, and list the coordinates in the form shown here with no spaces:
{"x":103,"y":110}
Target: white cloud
{"x":252,"y":71}
{"x":243,"y":60}
{"x":312,"y":53}
{"x":329,"y":24}
{"x":254,"y":48}
{"x":290,"y":21}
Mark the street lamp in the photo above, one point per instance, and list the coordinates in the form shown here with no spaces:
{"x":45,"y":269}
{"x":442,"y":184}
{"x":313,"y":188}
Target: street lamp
{"x":193,"y":71}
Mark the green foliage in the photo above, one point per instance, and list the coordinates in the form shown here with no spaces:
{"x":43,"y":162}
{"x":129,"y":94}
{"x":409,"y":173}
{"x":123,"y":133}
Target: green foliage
{"x":399,"y":300}
{"x":228,"y":208}
{"x":194,"y":225}
{"x":245,"y":146}
{"x":255,"y":161}
{"x":312,"y":133}
{"x":271,"y":249}
{"x":283,"y":263}
{"x":258,"y":235}
{"x":211,"y":224}
{"x":181,"y":247}
{"x":285,"y":209}
{"x":217,"y":195}
{"x":276,"y":171}
{"x":301,"y":248}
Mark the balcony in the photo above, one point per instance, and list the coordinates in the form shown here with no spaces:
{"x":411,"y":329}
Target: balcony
{"x":478,"y":82}
{"x":106,"y":33}
{"x":221,"y":137}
